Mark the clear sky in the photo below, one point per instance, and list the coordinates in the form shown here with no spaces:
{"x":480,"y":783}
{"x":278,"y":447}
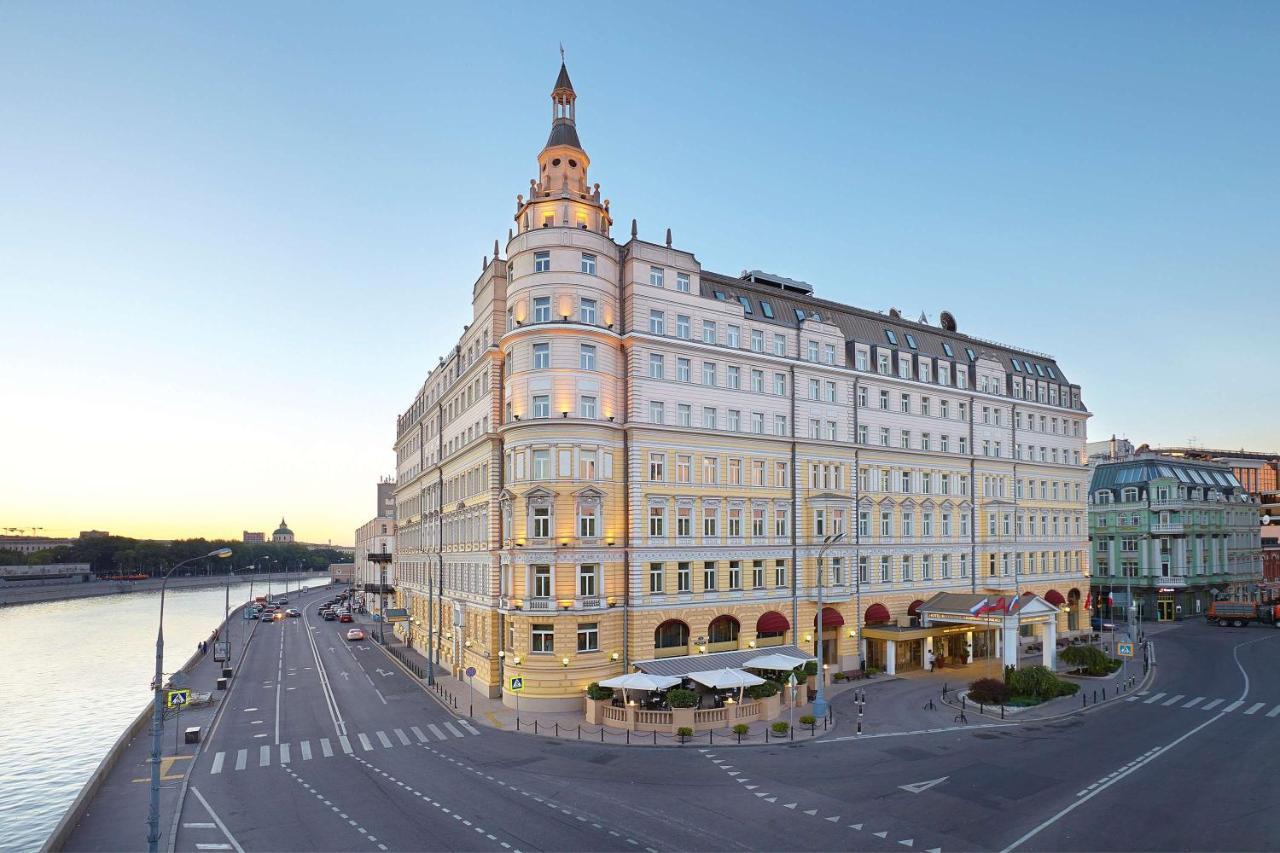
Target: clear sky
{"x":234,"y":237}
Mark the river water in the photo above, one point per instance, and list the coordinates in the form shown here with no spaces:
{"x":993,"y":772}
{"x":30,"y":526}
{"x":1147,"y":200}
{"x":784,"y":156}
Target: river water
{"x":73,"y":675}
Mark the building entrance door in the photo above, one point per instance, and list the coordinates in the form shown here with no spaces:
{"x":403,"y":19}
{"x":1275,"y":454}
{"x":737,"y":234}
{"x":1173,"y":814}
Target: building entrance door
{"x":1164,"y":609}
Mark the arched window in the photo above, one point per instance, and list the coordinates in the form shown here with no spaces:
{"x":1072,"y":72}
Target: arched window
{"x":671,"y":634}
{"x":723,"y":629}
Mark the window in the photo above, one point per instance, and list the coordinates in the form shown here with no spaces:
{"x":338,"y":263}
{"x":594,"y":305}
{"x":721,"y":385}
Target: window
{"x":656,"y":365}
{"x":683,"y":366}
{"x":682,"y":326}
{"x":891,"y":336}
{"x":710,"y":470}
{"x":682,"y":282}
{"x":766,"y":309}
{"x":780,"y":522}
{"x":709,"y":576}
{"x":829,"y":353}
{"x":588,"y":637}
{"x":656,"y":581}
{"x":733,"y":337}
{"x":684,"y":521}
{"x":587,"y":311}
{"x":911,"y":341}
{"x":757,"y":574}
{"x":733,"y":377}
{"x":656,"y":414}
{"x":780,"y":384}
{"x":708,"y":373}
{"x":657,"y":322}
{"x":735,"y":420}
{"x":708,"y":331}
{"x":812,"y":351}
{"x":542,"y":309}
{"x":882,"y":363}
{"x":655,"y":276}
{"x":757,"y":340}
{"x":543,"y":639}
{"x":904,"y":403}
{"x":541,"y":356}
{"x":684,"y":465}
{"x":541,"y":406}
{"x":884,"y":400}
{"x":757,"y":522}
{"x":541,"y":522}
{"x":884,"y":436}
{"x":779,"y":573}
{"x":779,"y":344}
{"x":542,"y":262}
{"x":735,"y":574}
{"x":709,"y":417}
{"x":860,"y":359}
{"x":746,"y":304}
{"x":587,"y":581}
{"x":657,"y":466}
{"x":886,"y":523}
{"x":684,"y":578}
{"x":862,"y":433}
{"x":587,"y":356}
{"x":587,"y":407}
{"x":780,"y":424}
{"x":757,"y":423}
{"x":684,"y":415}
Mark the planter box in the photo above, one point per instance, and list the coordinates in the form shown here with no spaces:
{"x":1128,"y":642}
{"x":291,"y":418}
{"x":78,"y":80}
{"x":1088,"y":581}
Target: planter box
{"x":595,"y":710}
{"x":681,"y":717}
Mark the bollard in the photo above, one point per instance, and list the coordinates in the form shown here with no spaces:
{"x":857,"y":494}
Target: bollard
{"x":711,"y":738}
{"x":628,"y":731}
{"x":1095,"y":697}
{"x":602,"y":734}
{"x":739,"y":737}
{"x":1084,"y":700}
{"x":963,"y":699}
{"x":535,"y":727}
{"x":579,"y":731}
{"x":557,"y":728}
{"x":1002,"y":712}
{"x":982,"y":709}
{"x":793,"y":734}
{"x":766,"y":734}
{"x":824,"y":723}
{"x":859,"y":727}
{"x":655,"y":737}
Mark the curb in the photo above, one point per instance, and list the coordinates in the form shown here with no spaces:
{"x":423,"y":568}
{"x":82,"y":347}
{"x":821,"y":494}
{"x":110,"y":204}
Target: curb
{"x":1144,"y":684}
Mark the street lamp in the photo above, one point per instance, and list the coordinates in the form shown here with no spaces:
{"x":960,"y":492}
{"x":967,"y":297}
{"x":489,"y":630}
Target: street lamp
{"x":157,"y":708}
{"x":820,"y":701}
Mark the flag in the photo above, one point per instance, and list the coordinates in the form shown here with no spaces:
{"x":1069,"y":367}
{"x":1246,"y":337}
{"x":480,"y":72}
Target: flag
{"x":1088,"y":601}
{"x":989,"y":606}
{"x":978,"y":608}
{"x":1110,"y":600}
{"x":1014,"y":601}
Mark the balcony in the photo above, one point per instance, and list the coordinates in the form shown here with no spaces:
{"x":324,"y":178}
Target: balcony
{"x":540,"y":604}
{"x":589,"y":603}
{"x":1168,"y":527}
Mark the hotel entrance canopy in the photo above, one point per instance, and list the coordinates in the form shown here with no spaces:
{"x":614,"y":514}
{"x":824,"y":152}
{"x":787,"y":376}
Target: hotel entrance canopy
{"x":988,"y":610}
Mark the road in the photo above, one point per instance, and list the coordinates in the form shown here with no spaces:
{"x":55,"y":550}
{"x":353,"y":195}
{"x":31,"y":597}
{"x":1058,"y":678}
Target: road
{"x":327,"y":745}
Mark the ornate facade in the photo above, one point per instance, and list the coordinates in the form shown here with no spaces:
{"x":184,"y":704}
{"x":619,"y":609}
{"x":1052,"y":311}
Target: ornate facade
{"x":626,"y":456}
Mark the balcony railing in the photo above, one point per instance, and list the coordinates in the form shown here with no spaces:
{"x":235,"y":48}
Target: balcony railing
{"x":540,"y":604}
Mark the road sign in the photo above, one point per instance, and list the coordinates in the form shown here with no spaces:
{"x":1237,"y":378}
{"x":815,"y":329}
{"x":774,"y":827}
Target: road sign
{"x":249,"y":612}
{"x":221,"y":651}
{"x":1124,"y":649}
{"x":177,"y":698}
{"x":517,"y":684}
{"x":471,"y":672}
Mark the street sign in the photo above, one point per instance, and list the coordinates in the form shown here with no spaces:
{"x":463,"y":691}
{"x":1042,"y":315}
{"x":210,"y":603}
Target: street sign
{"x":1124,"y":649}
{"x":471,"y":672}
{"x":397,"y":615}
{"x":221,"y":651}
{"x":249,"y":612}
{"x":176,"y":698}
{"x":517,"y":684}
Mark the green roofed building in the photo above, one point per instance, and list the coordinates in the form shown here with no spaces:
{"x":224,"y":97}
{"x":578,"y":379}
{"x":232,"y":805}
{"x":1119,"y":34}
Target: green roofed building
{"x":1170,"y":535}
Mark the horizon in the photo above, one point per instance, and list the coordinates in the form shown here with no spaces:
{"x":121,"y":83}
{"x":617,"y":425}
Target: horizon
{"x":249,"y":237}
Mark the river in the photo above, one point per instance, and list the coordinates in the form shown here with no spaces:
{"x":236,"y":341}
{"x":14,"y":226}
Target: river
{"x":75,"y":673}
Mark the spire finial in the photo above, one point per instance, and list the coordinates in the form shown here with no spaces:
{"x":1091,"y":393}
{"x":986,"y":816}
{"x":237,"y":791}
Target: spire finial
{"x":668,"y":238}
{"x":633,"y":229}
{"x":495,"y":248}
{"x":562,"y":53}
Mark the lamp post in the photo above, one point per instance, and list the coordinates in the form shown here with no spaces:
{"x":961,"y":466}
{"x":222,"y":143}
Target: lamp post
{"x":157,"y":708}
{"x":820,"y":701}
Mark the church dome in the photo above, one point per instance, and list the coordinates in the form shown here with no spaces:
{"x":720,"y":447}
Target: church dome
{"x":283,"y":530}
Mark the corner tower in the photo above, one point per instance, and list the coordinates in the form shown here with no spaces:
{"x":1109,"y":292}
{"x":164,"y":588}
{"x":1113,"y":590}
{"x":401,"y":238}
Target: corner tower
{"x":561,"y":195}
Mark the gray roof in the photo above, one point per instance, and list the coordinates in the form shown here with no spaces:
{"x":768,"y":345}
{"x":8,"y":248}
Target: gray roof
{"x":685,"y":664}
{"x":1134,"y":472}
{"x":563,"y":133}
{"x":869,"y":327}
{"x":562,"y":81}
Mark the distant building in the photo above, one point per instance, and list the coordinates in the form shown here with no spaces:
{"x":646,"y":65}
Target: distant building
{"x":1173,"y":534}
{"x":1257,"y":471}
{"x":1271,"y":561}
{"x":1109,"y":450}
{"x":259,"y":536}
{"x":31,"y":544}
{"x":94,"y":534}
{"x":378,"y":535}
{"x":386,"y":498}
{"x":341,"y":572}
{"x":57,"y":573}
{"x":282,"y":534}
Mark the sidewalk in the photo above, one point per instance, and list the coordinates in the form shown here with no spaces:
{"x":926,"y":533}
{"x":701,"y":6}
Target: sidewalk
{"x":457,"y":696}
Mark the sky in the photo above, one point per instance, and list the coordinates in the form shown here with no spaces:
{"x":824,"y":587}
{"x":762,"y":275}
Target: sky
{"x":234,"y":237}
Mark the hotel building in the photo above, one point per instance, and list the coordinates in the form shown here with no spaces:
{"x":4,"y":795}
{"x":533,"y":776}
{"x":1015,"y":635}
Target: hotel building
{"x":626,"y":457}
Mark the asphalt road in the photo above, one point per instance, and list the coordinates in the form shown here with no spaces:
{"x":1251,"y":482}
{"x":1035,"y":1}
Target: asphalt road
{"x":339,"y":749}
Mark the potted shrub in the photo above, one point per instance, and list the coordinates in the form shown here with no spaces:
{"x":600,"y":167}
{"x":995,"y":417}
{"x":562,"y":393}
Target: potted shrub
{"x":682,"y":702}
{"x":597,"y":698}
{"x":809,"y":720}
{"x":781,"y":727}
{"x":684,"y":733}
{"x":741,"y":729}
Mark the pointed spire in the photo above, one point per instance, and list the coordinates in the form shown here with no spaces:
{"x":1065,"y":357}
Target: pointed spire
{"x":562,"y":81}
{"x":495,"y":248}
{"x":563,"y":112}
{"x":668,"y":238}
{"x":633,"y":229}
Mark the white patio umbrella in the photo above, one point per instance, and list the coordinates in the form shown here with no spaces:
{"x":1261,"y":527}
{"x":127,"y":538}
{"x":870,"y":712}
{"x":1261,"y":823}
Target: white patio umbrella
{"x":782,"y":663}
{"x":721,"y":679}
{"x":640,"y":681}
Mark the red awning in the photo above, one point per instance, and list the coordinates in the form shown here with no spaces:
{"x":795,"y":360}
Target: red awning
{"x":831,"y":618}
{"x":772,"y":622}
{"x":877,"y":613}
{"x":1055,"y":598}
{"x":914,"y":609}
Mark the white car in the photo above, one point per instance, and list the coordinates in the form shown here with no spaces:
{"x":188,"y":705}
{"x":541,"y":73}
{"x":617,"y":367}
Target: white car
{"x":355,"y":634}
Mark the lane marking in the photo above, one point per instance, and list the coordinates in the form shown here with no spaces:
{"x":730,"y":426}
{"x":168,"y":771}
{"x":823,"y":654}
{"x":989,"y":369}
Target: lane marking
{"x":198,"y":826}
{"x":417,"y":732}
{"x":325,"y":748}
{"x":1274,"y":711}
{"x":305,"y":746}
{"x":1154,"y":698}
{"x":435,"y":731}
{"x":217,"y":762}
{"x":1233,"y":706}
{"x":1209,"y":706}
{"x":346,"y":744}
{"x":364,"y":742}
{"x":1175,"y":700}
{"x":383,"y":739}
{"x":242,"y":758}
{"x":1194,"y":702}
{"x":1254,"y":709}
{"x":235,"y":845}
{"x":404,"y":739}
{"x":284,"y":753}
{"x":453,"y":731}
{"x":469,"y":727}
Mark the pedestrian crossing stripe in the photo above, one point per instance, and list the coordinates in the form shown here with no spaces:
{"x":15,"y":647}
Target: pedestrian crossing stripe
{"x":1177,"y":700}
{"x":233,"y":760}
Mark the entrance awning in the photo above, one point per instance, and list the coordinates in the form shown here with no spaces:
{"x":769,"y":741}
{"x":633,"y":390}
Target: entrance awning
{"x":831,"y":618}
{"x":685,"y":664}
{"x":986,"y":610}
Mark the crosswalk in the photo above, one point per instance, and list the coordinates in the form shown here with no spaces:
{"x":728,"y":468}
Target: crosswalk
{"x":266,"y":754}
{"x":1185,"y":702}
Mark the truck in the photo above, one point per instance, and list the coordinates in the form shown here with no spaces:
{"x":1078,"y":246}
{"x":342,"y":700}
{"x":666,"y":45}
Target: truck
{"x":1241,"y":613}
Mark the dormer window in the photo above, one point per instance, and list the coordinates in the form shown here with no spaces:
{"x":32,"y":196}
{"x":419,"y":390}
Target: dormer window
{"x":972,"y":355}
{"x":891,"y":336}
{"x":746,"y":304}
{"x":911,"y":341}
{"x":766,"y":309}
{"x":946,"y":347}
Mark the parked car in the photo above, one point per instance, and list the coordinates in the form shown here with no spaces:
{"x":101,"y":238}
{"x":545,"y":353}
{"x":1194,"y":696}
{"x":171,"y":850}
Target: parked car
{"x":1100,"y":624}
{"x":355,"y":634}
{"x":345,"y":617}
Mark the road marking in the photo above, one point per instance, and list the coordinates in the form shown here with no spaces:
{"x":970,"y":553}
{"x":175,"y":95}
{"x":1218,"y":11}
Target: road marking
{"x":213,"y":846}
{"x":264,"y":756}
{"x":1175,"y":700}
{"x":435,"y":731}
{"x":1155,"y":698}
{"x":198,"y":826}
{"x":417,"y":732}
{"x":383,"y":739}
{"x":242,"y":757}
{"x":1274,"y":711}
{"x":235,"y":845}
{"x":1233,"y":706}
{"x":403,"y":738}
{"x":364,"y":742}
{"x":1194,"y":702}
{"x":920,"y":732}
{"x":305,"y":746}
{"x":217,"y":762}
{"x":284,"y":753}
{"x":1209,"y":706}
{"x":453,"y":731}
{"x":1254,"y":709}
{"x":346,"y":744}
{"x":469,"y":727}
{"x":325,"y":748}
